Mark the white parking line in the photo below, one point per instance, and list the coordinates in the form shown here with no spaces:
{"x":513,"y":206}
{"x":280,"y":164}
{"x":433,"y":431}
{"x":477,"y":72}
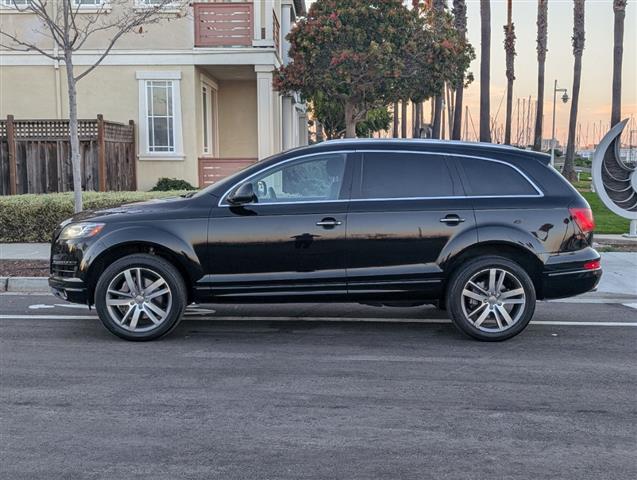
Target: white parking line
{"x":329,"y":319}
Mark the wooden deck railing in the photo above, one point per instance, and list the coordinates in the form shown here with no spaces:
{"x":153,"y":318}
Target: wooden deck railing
{"x":35,"y":156}
{"x":223,"y":24}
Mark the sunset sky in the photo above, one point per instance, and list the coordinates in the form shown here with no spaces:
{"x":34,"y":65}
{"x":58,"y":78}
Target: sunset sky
{"x":595,"y":93}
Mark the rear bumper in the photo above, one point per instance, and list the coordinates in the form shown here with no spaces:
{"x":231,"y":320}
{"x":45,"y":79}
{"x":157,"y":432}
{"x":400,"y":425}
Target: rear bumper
{"x":564,"y":275}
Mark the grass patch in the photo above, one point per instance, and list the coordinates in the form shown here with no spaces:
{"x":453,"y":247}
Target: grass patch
{"x":606,"y":221}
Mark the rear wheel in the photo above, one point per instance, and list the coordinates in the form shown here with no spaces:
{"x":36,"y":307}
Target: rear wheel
{"x":140,"y":297}
{"x":491,"y":298}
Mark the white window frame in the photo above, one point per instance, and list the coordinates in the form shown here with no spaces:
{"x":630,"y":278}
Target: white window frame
{"x":212,"y":120}
{"x":144,"y":149}
{"x":170,"y":7}
{"x":100,"y":6}
{"x":7,"y":6}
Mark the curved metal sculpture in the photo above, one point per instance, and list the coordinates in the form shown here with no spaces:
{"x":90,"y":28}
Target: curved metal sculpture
{"x":615,"y":181}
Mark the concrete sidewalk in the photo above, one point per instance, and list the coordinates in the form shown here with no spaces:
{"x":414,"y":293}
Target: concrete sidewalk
{"x":25,"y":251}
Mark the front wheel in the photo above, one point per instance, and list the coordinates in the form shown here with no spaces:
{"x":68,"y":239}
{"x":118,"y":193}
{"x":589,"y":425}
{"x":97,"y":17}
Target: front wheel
{"x":140,"y":297}
{"x":491,"y":298}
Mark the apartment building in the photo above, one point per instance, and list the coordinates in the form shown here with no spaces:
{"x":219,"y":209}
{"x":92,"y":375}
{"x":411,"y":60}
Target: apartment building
{"x":198,"y":86}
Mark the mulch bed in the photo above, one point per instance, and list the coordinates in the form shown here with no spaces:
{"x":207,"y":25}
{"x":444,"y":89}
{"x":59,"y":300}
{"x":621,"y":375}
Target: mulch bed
{"x":24,"y":268}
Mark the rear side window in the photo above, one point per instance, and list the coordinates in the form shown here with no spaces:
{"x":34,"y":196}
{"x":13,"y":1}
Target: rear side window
{"x":405,"y":175}
{"x":487,"y":178}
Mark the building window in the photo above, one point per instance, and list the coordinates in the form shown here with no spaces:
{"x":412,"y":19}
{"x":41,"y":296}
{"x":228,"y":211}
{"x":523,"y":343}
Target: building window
{"x":89,"y":3}
{"x":15,"y":3}
{"x":209,"y":118}
{"x":160,"y":114}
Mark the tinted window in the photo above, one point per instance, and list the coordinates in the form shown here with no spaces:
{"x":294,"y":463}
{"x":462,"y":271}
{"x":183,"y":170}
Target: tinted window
{"x":405,"y":175}
{"x":494,"y":179}
{"x":314,"y":179}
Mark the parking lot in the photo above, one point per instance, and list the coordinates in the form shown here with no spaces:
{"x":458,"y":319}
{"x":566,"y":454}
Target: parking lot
{"x":321,"y":392}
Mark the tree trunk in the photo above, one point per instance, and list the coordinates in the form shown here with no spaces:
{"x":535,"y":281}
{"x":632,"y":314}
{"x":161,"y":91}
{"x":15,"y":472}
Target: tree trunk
{"x":578,"y":49}
{"x":437,"y":120}
{"x":74,"y":137}
{"x":619,"y":7}
{"x":396,"y":120}
{"x":485,"y":70}
{"x":417,"y":118}
{"x":460,"y":22}
{"x":542,"y":17}
{"x":457,"y":114}
{"x":403,"y":119}
{"x":350,"y":121}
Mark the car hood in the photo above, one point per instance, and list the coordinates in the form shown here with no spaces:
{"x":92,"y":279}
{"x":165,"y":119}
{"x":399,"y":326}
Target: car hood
{"x":148,"y":208}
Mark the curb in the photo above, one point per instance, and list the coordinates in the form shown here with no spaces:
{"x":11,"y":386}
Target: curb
{"x":24,"y":284}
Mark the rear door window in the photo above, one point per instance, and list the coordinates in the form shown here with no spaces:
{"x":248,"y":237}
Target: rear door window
{"x":386,"y":175}
{"x":494,"y":179}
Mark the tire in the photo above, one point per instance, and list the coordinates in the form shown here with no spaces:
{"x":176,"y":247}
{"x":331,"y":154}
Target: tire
{"x":491,"y":308}
{"x":137,"y":314}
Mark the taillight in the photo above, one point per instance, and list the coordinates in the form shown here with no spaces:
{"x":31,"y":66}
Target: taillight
{"x":584,"y":219}
{"x":593,"y":265}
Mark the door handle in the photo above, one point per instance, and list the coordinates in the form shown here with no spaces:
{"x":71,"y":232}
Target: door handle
{"x":329,"y":222}
{"x":452,"y":219}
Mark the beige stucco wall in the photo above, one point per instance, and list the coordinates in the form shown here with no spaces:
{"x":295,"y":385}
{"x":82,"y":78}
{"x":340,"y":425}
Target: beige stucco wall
{"x":172,"y":32}
{"x":31,"y":92}
{"x":238,"y":119}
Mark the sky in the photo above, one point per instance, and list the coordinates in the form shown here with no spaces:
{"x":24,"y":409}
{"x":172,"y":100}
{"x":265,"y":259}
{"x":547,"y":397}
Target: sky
{"x":597,"y":61}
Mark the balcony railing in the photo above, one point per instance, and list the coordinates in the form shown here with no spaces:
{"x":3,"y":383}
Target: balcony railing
{"x":222,"y":23}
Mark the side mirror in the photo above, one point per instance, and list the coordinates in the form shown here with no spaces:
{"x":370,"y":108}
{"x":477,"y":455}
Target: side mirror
{"x":242,"y":195}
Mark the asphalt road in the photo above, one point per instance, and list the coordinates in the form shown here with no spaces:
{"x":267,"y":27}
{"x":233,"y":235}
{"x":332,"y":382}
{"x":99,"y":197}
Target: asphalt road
{"x":274,"y":396}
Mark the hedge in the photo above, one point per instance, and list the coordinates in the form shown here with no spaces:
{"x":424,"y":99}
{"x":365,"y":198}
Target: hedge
{"x":32,"y":218}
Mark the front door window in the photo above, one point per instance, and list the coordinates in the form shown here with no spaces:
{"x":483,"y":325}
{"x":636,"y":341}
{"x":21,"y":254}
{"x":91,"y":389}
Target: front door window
{"x":317,"y":179}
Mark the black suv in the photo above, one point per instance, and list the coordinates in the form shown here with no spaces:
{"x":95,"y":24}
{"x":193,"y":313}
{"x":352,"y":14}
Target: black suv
{"x":481,"y":230}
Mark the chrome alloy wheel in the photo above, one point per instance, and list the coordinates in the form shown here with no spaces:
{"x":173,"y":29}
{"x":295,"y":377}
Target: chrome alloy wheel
{"x":493,"y":300}
{"x":138,"y":299}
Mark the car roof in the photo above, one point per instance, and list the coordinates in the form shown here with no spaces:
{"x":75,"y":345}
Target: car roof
{"x":491,"y":150}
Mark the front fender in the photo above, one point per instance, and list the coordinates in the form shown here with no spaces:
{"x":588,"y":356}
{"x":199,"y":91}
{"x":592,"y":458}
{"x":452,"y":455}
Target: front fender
{"x":152,"y":236}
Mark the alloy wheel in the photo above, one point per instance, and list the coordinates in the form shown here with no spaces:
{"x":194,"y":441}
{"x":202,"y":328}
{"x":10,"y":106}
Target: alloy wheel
{"x":493,"y":300}
{"x":138,"y":299}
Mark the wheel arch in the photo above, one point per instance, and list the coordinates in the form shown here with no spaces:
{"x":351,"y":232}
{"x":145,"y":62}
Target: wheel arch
{"x":121,"y":250}
{"x":515,"y":252}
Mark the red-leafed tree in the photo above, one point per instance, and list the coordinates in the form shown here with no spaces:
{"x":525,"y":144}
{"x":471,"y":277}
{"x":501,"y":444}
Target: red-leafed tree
{"x":366,"y":54}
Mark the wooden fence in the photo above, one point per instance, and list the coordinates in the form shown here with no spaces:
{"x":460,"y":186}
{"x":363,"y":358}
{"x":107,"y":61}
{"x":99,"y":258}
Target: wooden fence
{"x":35,"y":156}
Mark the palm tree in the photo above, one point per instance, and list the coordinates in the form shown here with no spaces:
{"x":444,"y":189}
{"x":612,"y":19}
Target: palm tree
{"x":542,"y":19}
{"x":578,"y":49}
{"x":460,"y":22}
{"x":619,"y":8}
{"x":485,"y":70}
{"x":438,"y":7}
{"x":509,"y":48}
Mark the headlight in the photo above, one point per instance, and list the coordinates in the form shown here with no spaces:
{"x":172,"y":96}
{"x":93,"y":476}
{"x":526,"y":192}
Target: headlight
{"x":81,"y":230}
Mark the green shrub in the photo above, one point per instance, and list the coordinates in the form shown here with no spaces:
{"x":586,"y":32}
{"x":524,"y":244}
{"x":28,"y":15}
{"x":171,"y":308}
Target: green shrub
{"x":32,"y":218}
{"x":165,"y":184}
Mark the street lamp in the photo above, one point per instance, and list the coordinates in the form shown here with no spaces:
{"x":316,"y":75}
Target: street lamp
{"x":564,"y":100}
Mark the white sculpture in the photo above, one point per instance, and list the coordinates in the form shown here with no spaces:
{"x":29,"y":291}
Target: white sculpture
{"x":615,"y":181}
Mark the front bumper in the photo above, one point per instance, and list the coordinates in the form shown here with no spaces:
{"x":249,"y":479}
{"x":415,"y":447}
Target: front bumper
{"x":564,"y":274}
{"x":71,"y":289}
